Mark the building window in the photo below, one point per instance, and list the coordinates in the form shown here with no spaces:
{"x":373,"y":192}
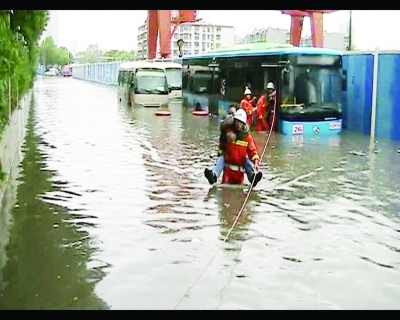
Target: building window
{"x":217,"y":45}
{"x":218,"y":37}
{"x":208,"y":29}
{"x":196,"y":51}
{"x":218,"y":29}
{"x":196,"y":44}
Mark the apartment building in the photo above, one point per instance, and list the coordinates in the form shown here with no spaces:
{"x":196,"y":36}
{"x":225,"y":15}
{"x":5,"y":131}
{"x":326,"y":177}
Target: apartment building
{"x":333,"y":40}
{"x":198,"y":37}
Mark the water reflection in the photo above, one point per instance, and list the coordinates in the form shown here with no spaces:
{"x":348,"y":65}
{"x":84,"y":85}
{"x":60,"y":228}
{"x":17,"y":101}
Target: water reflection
{"x":49,"y":246}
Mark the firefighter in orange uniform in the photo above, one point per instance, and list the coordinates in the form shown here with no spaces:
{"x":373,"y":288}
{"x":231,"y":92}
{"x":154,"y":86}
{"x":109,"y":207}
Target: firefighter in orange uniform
{"x":271,"y":101}
{"x":239,"y":145}
{"x":261,"y":121}
{"x":247,"y":105}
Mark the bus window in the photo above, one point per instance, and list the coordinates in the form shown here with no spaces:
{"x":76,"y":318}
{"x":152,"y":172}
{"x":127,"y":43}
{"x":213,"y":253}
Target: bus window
{"x":125,"y":79}
{"x":199,"y":81}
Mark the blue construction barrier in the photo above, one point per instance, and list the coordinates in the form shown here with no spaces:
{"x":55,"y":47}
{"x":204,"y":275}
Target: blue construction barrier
{"x":358,"y":99}
{"x":103,"y":72}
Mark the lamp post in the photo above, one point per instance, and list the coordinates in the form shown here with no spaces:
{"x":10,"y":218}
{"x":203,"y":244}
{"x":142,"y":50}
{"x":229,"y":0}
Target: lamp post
{"x":350,"y":30}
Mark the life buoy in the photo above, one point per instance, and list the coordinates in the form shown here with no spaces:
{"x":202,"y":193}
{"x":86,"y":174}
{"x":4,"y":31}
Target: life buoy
{"x":163,"y":113}
{"x":200,"y":113}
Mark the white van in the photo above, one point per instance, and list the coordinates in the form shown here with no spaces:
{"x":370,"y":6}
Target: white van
{"x":142,"y":84}
{"x":174,"y":78}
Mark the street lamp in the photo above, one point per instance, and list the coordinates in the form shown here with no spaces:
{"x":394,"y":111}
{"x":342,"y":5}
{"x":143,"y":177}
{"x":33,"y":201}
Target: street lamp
{"x":350,"y":47}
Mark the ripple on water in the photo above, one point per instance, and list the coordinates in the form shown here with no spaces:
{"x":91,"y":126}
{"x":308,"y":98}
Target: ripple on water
{"x":320,"y":231}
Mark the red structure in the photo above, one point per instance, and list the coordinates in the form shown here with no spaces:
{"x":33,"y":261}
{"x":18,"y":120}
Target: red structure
{"x":316,"y":21}
{"x":160,"y":22}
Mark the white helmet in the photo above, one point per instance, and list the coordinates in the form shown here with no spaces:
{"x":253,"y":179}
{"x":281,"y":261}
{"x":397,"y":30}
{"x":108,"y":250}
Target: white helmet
{"x":270,"y":85}
{"x":241,"y":115}
{"x":247,"y":91}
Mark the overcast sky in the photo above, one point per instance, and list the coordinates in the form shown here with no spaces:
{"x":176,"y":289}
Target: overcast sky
{"x":118,"y":29}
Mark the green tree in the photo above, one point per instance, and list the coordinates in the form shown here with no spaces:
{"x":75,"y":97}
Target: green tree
{"x":51,"y":55}
{"x":20,"y":31}
{"x":121,"y":55}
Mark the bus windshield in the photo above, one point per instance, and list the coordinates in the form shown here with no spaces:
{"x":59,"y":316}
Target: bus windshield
{"x":314,"y":87}
{"x":151,"y":82}
{"x":174,"y":77}
{"x":199,"y":82}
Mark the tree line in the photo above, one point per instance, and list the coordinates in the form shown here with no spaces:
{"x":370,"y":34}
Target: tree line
{"x":50,"y":54}
{"x":20,"y":31}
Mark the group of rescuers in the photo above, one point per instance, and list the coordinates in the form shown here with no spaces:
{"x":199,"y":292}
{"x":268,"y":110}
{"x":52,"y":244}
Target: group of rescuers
{"x":237,"y":151}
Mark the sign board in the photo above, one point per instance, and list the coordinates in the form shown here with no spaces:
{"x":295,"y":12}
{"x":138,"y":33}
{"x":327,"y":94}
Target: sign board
{"x":297,"y":129}
{"x":335,"y":126}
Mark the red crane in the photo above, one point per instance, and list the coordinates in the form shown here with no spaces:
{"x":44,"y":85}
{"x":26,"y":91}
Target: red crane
{"x":160,"y":22}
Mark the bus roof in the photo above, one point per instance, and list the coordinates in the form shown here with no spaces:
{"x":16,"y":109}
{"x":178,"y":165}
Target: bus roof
{"x":262,"y":49}
{"x":169,"y":65}
{"x":138,"y":64}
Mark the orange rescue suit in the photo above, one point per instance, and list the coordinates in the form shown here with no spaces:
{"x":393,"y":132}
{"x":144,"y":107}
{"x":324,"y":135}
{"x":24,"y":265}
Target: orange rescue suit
{"x":270,"y":107}
{"x":261,"y":122}
{"x":247,"y":105}
{"x":235,"y":157}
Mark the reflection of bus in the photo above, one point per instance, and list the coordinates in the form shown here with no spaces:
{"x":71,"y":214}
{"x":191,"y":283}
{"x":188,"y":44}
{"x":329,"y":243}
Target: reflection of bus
{"x":174,"y":78}
{"x":308,"y":82}
{"x":142,"y":83}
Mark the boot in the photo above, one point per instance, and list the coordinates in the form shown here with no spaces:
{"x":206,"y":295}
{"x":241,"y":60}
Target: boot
{"x":210,"y":176}
{"x":257,"y":178}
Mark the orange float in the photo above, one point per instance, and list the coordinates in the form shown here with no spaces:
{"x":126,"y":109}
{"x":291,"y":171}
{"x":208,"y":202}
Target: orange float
{"x":163,"y":113}
{"x":200,"y":113}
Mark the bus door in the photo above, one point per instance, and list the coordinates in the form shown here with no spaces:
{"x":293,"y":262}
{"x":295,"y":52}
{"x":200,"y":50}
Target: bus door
{"x":131,"y":88}
{"x":273,"y":73}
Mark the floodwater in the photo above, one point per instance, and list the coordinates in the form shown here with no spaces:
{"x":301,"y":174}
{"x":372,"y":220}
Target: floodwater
{"x":113,"y":212}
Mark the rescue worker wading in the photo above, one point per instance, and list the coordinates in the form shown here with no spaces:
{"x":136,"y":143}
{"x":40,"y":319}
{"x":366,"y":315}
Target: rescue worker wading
{"x":247,"y":105}
{"x":238,"y":148}
{"x":271,"y":100}
{"x":264,"y":103}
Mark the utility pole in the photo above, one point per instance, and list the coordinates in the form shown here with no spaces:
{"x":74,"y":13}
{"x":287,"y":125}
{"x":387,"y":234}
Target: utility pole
{"x":350,"y":30}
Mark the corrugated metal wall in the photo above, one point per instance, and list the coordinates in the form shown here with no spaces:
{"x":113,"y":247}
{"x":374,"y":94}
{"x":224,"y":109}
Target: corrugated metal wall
{"x":357,"y":100}
{"x":106,"y":73}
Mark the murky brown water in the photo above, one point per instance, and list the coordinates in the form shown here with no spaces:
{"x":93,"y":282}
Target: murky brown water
{"x":114,"y":212}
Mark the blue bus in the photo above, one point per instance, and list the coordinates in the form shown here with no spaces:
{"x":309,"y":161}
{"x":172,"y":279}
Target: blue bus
{"x":309,"y":83}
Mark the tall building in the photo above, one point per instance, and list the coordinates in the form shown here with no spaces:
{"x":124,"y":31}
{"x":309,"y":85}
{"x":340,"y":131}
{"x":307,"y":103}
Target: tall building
{"x":268,"y":35}
{"x":198,"y":37}
{"x":334,"y":40}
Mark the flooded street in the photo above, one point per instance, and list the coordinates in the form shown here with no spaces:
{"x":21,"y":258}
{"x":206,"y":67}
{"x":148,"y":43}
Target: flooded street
{"x":113,"y":212}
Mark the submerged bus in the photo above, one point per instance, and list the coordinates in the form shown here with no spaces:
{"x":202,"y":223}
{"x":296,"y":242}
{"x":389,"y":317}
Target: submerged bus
{"x":142,"y":84}
{"x":174,"y":78}
{"x":309,"y":83}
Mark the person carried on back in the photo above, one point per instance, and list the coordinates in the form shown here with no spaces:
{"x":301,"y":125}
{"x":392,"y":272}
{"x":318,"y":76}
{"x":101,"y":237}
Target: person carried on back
{"x":237,"y":151}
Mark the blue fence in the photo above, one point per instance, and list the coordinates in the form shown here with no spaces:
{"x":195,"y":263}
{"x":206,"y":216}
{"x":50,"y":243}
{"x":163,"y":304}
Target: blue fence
{"x":103,"y":72}
{"x":358,"y":99}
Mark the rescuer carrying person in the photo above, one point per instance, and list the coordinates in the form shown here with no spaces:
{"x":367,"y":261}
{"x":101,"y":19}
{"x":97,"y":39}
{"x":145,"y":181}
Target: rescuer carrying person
{"x":238,"y":152}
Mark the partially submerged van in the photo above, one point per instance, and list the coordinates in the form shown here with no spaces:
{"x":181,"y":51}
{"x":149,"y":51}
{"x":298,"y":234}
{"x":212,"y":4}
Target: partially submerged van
{"x":143,"y":84}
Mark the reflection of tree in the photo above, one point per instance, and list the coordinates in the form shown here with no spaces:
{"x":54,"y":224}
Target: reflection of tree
{"x":48,"y":251}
